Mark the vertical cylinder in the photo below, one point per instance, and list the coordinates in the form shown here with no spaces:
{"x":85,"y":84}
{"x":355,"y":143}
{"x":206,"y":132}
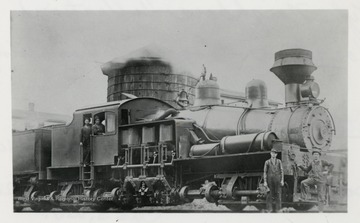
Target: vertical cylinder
{"x":292,"y":93}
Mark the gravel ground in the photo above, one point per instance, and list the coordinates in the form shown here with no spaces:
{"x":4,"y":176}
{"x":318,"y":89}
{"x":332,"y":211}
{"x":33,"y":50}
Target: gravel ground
{"x":202,"y":206}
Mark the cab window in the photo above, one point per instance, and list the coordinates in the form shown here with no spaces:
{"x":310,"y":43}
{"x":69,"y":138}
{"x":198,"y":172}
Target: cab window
{"x":110,"y":122}
{"x":104,"y":123}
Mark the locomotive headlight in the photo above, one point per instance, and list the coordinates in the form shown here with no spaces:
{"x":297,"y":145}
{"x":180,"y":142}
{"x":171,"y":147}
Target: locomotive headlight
{"x":315,"y":89}
{"x":310,"y":89}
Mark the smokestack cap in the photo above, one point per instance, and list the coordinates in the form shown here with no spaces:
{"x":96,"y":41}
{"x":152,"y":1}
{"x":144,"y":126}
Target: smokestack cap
{"x":293,"y":65}
{"x":293,"y":53}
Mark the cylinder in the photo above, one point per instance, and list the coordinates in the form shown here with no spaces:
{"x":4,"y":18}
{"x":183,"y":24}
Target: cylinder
{"x":205,"y":149}
{"x":247,"y":143}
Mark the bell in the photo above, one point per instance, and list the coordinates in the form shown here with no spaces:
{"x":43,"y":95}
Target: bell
{"x":182,"y":99}
{"x":183,"y":96}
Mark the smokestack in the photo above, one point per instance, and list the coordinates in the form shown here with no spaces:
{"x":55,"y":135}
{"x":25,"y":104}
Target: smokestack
{"x":293,"y":67}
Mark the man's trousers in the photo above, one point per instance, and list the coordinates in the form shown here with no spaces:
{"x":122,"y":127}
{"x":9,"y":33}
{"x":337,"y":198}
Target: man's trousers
{"x":274,"y":194}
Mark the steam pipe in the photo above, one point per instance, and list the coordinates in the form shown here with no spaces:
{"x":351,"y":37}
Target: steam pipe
{"x":168,"y":112}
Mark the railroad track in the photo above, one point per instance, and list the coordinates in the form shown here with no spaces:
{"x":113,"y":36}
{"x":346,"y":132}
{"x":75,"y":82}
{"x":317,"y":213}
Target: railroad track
{"x":337,"y":209}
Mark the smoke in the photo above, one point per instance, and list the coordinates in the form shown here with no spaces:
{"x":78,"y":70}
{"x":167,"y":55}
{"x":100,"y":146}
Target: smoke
{"x":156,"y":52}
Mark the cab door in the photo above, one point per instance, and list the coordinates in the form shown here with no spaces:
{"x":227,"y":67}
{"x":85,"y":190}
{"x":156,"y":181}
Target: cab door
{"x":105,"y":144}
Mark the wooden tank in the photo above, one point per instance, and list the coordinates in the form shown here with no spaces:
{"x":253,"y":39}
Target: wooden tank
{"x":148,"y":77}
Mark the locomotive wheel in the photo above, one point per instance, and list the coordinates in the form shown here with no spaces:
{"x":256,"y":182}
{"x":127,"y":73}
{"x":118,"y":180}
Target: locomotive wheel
{"x":17,"y":207}
{"x":101,"y":208}
{"x":70,"y":209}
{"x":127,"y":197}
{"x":35,"y":207}
{"x":235,"y":207}
{"x":46,"y":207}
{"x":303,"y":207}
{"x":42,"y":206}
{"x":208,"y":191}
{"x":127,"y":207}
{"x":183,"y":195}
{"x":260,"y":207}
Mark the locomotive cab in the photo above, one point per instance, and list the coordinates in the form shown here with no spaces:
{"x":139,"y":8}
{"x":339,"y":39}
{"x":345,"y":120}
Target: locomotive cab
{"x":66,"y":151}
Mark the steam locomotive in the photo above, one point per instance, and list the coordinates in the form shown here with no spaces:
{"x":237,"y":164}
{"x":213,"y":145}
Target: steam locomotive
{"x":155,"y":154}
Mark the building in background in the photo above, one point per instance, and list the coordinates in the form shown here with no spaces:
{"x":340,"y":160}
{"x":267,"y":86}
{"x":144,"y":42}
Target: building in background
{"x":31,"y":119}
{"x":235,"y":98}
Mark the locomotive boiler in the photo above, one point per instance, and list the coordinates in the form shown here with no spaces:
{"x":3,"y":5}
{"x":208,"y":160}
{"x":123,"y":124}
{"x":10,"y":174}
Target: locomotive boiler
{"x":154,"y":154}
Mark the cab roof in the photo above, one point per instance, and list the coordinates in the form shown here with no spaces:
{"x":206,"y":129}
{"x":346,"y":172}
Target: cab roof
{"x":117,"y":103}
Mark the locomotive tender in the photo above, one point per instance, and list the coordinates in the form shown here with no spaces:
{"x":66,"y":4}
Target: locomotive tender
{"x":153,"y":154}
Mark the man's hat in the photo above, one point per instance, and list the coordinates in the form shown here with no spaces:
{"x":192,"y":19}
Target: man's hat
{"x":316,"y":151}
{"x":97,"y":118}
{"x":274,"y":150}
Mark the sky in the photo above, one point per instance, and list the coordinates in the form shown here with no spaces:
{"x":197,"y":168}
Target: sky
{"x":56,"y":56}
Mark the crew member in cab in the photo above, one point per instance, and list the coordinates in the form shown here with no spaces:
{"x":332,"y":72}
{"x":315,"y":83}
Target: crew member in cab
{"x":98,"y":128}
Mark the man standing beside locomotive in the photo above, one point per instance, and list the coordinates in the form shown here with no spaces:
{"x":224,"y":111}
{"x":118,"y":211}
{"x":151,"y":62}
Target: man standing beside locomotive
{"x":85,"y":141}
{"x":318,"y":171}
{"x":274,"y":179}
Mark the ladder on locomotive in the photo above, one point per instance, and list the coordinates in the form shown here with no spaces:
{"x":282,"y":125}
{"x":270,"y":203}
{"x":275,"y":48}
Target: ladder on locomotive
{"x":87,"y":176}
{"x":86,"y":172}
